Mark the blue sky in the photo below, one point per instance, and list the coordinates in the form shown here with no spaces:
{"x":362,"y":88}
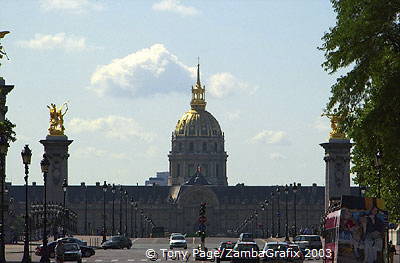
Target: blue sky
{"x":126,"y":69}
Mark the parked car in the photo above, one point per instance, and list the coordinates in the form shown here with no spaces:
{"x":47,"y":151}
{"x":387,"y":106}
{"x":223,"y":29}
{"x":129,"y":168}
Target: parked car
{"x":120,"y":242}
{"x":86,"y":251}
{"x":308,"y":242}
{"x":72,"y":252}
{"x":73,"y":240}
{"x":246,"y":237}
{"x":245,"y":257}
{"x":296,"y":255}
{"x":224,"y":248}
{"x":177,"y":241}
{"x":272,"y":251}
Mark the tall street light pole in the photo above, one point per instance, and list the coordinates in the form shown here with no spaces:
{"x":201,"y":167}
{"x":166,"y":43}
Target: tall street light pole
{"x":64,"y":187}
{"x":286,"y":213}
{"x":132,"y":202}
{"x":278,"y":192}
{"x":256,"y":222}
{"x":126,"y":212}
{"x":45,"y":163}
{"x":26,"y":159}
{"x":272,"y":215}
{"x":3,"y":152}
{"x":121,"y":192}
{"x":141,"y":223}
{"x":104,"y":211}
{"x":136,"y":208}
{"x":84,"y":188}
{"x":295,"y":188}
{"x":113,"y":209}
{"x":266,"y":203}
{"x":378,"y":163}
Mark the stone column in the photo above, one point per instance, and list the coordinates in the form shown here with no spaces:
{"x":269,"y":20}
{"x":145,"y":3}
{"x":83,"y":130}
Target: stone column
{"x":337,"y":172}
{"x":56,"y":148}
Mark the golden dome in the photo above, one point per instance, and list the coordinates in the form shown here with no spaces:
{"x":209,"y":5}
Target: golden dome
{"x":198,"y":123}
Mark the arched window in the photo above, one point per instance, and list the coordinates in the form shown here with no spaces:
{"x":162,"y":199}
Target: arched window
{"x":191,"y":147}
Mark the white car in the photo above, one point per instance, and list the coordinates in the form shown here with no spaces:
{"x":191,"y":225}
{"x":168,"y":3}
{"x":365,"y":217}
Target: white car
{"x":176,"y":241}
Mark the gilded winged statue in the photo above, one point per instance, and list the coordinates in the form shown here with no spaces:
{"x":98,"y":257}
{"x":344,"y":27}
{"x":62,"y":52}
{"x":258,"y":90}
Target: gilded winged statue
{"x":336,"y":120}
{"x":57,"y":119}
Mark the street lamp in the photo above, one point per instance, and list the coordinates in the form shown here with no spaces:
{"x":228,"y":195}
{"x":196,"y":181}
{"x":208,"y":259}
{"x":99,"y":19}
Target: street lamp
{"x":136,"y":208}
{"x":272,"y":215}
{"x":126,"y":212}
{"x":378,"y":164}
{"x":363,"y":189}
{"x":278,"y":193}
{"x":26,"y":159}
{"x":3,"y":152}
{"x":113,"y":209}
{"x":64,"y":187}
{"x":286,"y":213}
{"x":121,"y":192}
{"x":104,"y":210}
{"x":256,"y":222}
{"x":141,"y":223}
{"x":86,"y":208}
{"x":44,"y":164}
{"x":266,"y":203}
{"x":132,"y":205}
{"x":295,"y":188}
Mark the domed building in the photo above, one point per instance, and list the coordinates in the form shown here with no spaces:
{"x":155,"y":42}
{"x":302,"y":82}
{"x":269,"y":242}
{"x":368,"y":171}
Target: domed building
{"x":198,"y":143}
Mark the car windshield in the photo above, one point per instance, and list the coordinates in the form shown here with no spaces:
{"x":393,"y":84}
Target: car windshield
{"x":247,"y":247}
{"x":71,"y":247}
{"x":178,"y":238}
{"x":278,"y":246}
{"x":116,"y":238}
{"x":227,"y":245}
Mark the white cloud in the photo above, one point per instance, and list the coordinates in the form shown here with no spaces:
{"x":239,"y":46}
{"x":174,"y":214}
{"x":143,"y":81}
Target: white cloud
{"x":271,"y":137}
{"x":112,"y":126}
{"x":146,"y":72}
{"x":175,"y":6}
{"x":90,"y":152}
{"x":56,"y":41}
{"x":224,"y":84}
{"x":321,"y":124}
{"x":277,"y":156}
{"x":73,"y":6}
{"x":232,"y":115}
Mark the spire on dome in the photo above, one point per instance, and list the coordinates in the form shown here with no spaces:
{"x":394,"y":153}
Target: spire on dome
{"x":198,"y":93}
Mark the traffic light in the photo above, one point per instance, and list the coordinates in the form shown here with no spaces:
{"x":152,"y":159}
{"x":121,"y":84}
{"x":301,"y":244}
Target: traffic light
{"x":202,"y":211}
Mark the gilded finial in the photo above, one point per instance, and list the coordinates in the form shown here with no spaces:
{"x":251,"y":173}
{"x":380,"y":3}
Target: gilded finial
{"x":198,"y":72}
{"x":198,"y":92}
{"x":336,"y":120}
{"x":57,"y":119}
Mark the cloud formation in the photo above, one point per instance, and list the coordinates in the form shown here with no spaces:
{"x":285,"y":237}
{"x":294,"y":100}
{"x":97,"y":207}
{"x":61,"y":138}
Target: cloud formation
{"x":321,"y":124}
{"x":56,"y":41}
{"x":277,"y":156}
{"x":112,"y":127}
{"x":271,"y":137}
{"x":224,"y":84}
{"x":90,"y":152}
{"x":73,"y":6}
{"x":146,"y":72}
{"x":175,"y":6}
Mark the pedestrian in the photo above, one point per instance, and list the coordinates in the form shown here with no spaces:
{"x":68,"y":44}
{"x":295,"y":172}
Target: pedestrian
{"x":392,"y":251}
{"x":59,"y":251}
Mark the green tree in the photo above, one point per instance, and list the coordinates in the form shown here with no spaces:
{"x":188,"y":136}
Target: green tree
{"x":365,"y":43}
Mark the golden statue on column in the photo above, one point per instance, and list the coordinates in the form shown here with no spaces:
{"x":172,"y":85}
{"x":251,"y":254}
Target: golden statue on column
{"x":336,"y":132}
{"x":57,"y":119}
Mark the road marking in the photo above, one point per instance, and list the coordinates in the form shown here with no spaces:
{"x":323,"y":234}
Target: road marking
{"x":193,"y":241}
{"x":98,"y":260}
{"x":143,"y":260}
{"x":133,"y":241}
{"x":114,"y":260}
{"x":131,"y":260}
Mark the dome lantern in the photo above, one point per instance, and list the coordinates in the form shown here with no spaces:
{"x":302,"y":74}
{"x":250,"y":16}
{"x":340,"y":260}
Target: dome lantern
{"x":198,"y":101}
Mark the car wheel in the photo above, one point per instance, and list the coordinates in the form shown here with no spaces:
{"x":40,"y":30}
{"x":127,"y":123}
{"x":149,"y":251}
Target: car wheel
{"x":129,"y":247}
{"x":87,"y":254}
{"x":79,"y":261}
{"x":51,"y":255}
{"x":218,"y":260}
{"x":185,"y":247}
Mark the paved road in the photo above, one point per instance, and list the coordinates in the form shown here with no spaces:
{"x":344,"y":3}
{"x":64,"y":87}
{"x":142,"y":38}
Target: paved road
{"x":138,"y":252}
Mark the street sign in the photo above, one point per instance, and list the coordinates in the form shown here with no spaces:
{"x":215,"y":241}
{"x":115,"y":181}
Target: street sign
{"x":202,"y":227}
{"x":202,"y":219}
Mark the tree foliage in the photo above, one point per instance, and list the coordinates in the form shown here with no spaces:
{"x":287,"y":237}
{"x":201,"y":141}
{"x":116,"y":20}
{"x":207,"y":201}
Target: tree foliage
{"x":365,"y":43}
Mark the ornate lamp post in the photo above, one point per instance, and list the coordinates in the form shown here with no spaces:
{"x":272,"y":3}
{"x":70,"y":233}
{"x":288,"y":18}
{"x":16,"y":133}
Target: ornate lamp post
{"x":64,"y":187}
{"x":26,"y":159}
{"x":104,"y":210}
{"x":135,"y":205}
{"x":113,"y":209}
{"x":3,"y":152}
{"x":132,"y":208}
{"x":295,"y":188}
{"x":126,"y":212}
{"x":272,"y":215}
{"x":141,"y":223}
{"x":44,"y":164}
{"x":278,"y":192}
{"x":121,"y":192}
{"x":256,"y":222}
{"x":286,"y":213}
{"x":265,"y":205}
{"x":378,"y":164}
{"x":84,"y":188}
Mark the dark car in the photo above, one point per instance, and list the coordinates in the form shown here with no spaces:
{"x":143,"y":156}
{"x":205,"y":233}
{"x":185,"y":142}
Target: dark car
{"x":72,"y":252}
{"x":73,"y":240}
{"x":245,"y":252}
{"x":224,"y":250}
{"x":117,"y":242}
{"x":246,"y":237}
{"x":86,"y":251}
{"x":276,"y":251}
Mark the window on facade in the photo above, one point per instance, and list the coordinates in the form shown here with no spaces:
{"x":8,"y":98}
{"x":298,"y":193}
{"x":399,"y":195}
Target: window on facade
{"x":204,"y":147}
{"x":215,"y":147}
{"x":178,"y":170}
{"x":216,"y":170}
{"x":191,"y":147}
{"x":180,"y":147}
